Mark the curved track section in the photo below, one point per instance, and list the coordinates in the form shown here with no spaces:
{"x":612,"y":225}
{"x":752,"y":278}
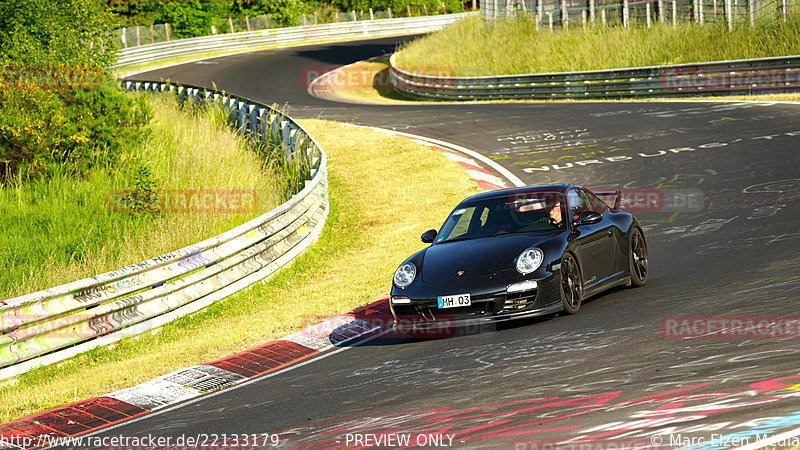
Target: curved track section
{"x":636,"y":366}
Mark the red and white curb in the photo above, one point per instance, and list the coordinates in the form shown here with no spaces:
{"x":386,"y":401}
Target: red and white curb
{"x":87,"y":416}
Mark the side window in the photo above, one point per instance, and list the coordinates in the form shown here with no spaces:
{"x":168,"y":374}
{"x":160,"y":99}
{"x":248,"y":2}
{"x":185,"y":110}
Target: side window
{"x":484,"y":216}
{"x":593,"y":202}
{"x":576,"y":203}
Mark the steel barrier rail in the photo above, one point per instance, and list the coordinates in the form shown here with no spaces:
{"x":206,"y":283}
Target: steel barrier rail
{"x":251,"y":39}
{"x":44,"y":327}
{"x":747,"y":76}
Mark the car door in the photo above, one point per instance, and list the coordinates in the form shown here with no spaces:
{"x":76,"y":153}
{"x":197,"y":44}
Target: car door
{"x":619,"y":260}
{"x":596,"y":241}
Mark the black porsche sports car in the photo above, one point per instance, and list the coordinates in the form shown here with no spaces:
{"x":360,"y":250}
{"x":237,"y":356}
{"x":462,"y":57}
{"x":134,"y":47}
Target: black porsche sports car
{"x":521,"y":252}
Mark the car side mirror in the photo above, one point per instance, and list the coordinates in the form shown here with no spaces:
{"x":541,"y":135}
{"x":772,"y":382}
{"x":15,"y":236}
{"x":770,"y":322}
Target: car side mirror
{"x":429,"y":236}
{"x":588,"y":218}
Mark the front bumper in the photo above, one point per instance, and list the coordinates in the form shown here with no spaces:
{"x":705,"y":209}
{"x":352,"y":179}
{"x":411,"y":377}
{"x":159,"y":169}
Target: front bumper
{"x":495,"y":303}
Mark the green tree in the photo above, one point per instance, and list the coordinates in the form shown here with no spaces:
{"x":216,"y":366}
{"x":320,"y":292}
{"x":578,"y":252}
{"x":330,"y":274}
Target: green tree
{"x":59,"y":110}
{"x":189,"y":19}
{"x":55,"y":33}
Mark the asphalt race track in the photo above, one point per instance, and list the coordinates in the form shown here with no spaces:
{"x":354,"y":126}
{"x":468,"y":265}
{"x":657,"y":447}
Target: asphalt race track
{"x":618,"y":372}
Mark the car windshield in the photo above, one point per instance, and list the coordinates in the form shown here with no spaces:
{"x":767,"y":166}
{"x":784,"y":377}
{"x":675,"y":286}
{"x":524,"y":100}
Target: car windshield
{"x":505,"y":214}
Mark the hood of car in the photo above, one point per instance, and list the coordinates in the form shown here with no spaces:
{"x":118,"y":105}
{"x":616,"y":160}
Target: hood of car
{"x":476,"y":258}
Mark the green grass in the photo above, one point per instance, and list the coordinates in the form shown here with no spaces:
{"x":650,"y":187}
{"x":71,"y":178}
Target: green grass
{"x":56,"y":229}
{"x":374,"y":224}
{"x":474,"y":47}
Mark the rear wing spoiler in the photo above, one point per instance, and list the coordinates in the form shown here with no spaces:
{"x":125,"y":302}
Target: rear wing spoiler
{"x":612,"y":197}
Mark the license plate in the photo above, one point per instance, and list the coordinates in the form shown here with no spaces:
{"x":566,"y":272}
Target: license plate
{"x":454,"y":301}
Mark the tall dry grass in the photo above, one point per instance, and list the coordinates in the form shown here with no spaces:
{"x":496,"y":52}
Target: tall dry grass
{"x":474,"y":47}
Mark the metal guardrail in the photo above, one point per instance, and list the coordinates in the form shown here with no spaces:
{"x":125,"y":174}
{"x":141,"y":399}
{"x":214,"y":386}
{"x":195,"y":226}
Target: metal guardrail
{"x":748,"y":76}
{"x":248,"y":40}
{"x":139,"y":297}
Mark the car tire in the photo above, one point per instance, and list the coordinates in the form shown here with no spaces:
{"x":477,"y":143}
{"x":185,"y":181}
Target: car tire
{"x":571,"y":284}
{"x":638,"y":259}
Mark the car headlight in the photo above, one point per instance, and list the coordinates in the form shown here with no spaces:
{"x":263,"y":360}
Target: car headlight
{"x":405,"y":274}
{"x":529,"y":260}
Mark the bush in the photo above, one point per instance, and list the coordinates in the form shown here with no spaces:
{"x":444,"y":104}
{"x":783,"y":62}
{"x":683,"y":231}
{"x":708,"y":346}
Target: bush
{"x":55,"y":33}
{"x":43,"y":131}
{"x":59,"y":110}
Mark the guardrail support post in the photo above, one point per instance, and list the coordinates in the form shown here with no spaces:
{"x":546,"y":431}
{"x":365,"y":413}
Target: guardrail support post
{"x":286,"y":139}
{"x":275,"y":129}
{"x":253,"y":120}
{"x":700,"y":12}
{"x":539,"y":12}
{"x":728,"y":14}
{"x":626,"y":13}
{"x":674,"y":14}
